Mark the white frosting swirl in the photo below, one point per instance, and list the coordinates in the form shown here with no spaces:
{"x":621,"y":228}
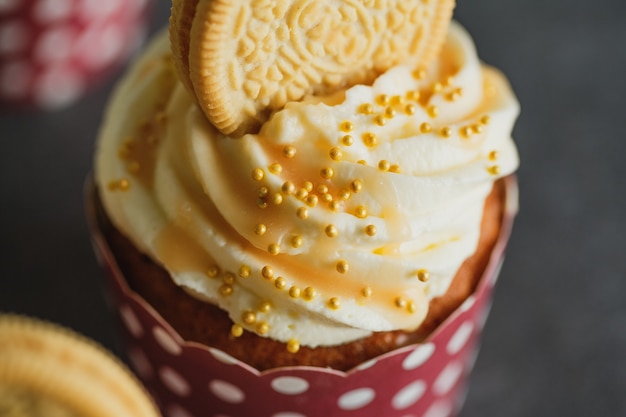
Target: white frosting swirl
{"x":214,"y":211}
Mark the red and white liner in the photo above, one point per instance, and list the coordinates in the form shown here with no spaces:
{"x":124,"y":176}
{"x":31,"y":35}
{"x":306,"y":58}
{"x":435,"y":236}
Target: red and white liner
{"x":188,"y":379}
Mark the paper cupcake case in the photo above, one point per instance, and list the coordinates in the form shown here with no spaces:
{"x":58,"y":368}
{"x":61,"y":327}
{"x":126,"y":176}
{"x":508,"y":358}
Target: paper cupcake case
{"x":53,"y":51}
{"x":192,"y":380}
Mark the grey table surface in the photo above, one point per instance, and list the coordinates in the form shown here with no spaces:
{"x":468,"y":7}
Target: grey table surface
{"x":555,"y":342}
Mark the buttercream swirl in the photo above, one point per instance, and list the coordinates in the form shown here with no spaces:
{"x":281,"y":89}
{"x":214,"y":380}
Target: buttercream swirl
{"x":318,"y":228}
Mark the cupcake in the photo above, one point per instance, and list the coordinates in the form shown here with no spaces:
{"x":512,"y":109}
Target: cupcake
{"x":288,"y":234}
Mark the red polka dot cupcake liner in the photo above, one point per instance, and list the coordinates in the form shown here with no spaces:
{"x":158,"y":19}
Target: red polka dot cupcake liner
{"x":188,"y":379}
{"x":53,"y":51}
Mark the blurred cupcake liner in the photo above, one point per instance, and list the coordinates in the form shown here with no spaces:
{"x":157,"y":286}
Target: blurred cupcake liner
{"x":192,"y":380}
{"x":53,"y":51}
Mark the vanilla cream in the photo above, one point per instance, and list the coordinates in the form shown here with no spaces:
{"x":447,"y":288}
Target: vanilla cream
{"x":343,"y":216}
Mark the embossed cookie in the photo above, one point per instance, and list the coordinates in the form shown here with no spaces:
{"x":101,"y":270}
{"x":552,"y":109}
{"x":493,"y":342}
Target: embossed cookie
{"x":245,"y":58}
{"x":47,"y":370}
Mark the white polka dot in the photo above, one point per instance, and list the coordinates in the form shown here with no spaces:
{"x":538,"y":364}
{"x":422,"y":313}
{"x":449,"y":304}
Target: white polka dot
{"x":439,"y":409}
{"x":176,"y":410}
{"x":98,"y":9}
{"x":55,"y":44}
{"x":419,"y":356}
{"x":8,"y":5}
{"x":356,"y":399}
{"x":166,"y":341}
{"x":58,"y":87}
{"x":100,"y":46}
{"x":131,"y":321}
{"x":460,"y":337}
{"x":227,"y":392}
{"x":174,"y":381}
{"x":290,"y":385}
{"x":223,"y":357}
{"x":140,"y":362}
{"x":469,"y":303}
{"x":46,"y":11}
{"x":13,"y":37}
{"x":15,"y":79}
{"x":408,"y":395}
{"x":288,"y":414}
{"x":447,"y":378}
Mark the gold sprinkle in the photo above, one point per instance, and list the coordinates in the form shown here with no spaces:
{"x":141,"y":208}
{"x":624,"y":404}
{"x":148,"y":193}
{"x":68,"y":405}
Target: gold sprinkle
{"x":423,"y":275}
{"x":322,"y":188}
{"x":465,"y":132}
{"x":289,"y":151}
{"x":476,"y":128}
{"x":308,"y":294}
{"x":226,"y":290}
{"x":308,"y":185}
{"x":362,"y":162}
{"x":347,"y":140}
{"x":302,"y":213}
{"x":390,"y":112}
{"x":370,"y":139}
{"x":312,"y":200}
{"x":448,"y":81}
{"x":370,"y":230}
{"x":260,"y":229}
{"x":277,"y":198}
{"x":366,"y":108}
{"x":382,"y":99}
{"x":245,"y":271}
{"x":344,"y":194}
{"x":395,"y":168}
{"x":331,"y":231}
{"x":400,"y":302}
{"x":327,"y":173}
{"x":262,"y":203}
{"x":346,"y":126}
{"x":485,"y":119}
{"x":445,"y":132}
{"x":419,"y":74}
{"x":122,"y":185}
{"x":262,"y":192}
{"x":294,"y":292}
{"x":433,"y":111}
{"x":454,"y":94}
{"x":213,"y":271}
{"x":288,"y":187}
{"x":280,"y":283}
{"x":396,"y":100}
{"x":383,"y":165}
{"x":258,"y":174}
{"x":293,"y":346}
{"x":380,"y":120}
{"x":493,"y":155}
{"x":296,"y":241}
{"x":334,"y":205}
{"x":228,"y":278}
{"x":327,"y":197}
{"x":410,"y":109}
{"x":302,"y":193}
{"x":493,"y":169}
{"x":411,"y":307}
{"x":412,"y":95}
{"x":273,"y":248}
{"x":236,"y":330}
{"x":342,"y":267}
{"x":356,"y":186}
{"x":248,"y":317}
{"x":334,"y":303}
{"x":366,"y":292}
{"x":426,"y":127}
{"x":262,"y":328}
{"x":275,"y":168}
{"x":360,"y":212}
{"x":335,"y":154}
{"x":436,"y":87}
{"x":265,"y":307}
{"x":267,"y":272}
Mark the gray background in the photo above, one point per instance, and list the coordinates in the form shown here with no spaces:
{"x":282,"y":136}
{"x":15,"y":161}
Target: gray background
{"x":555,"y":342}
